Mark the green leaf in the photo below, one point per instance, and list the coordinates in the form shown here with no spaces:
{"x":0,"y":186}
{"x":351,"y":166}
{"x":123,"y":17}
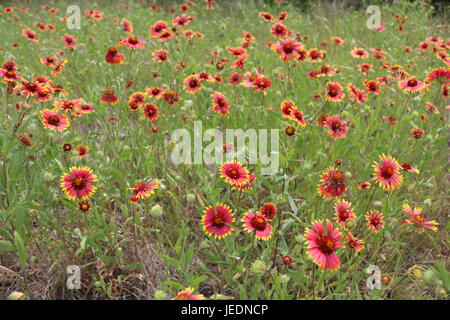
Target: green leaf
{"x":21,"y":250}
{"x":6,"y":245}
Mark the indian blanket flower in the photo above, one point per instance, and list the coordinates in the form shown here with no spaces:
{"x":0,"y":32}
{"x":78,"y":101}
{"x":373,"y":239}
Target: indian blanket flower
{"x":235,"y":78}
{"x":288,"y":49}
{"x":234,"y":173}
{"x":192,"y":84}
{"x":261,"y":84}
{"x":411,"y":84}
{"x":410,"y":168}
{"x":85,"y":108}
{"x":269,"y":210}
{"x":332,"y":184}
{"x":279,"y":30}
{"x":315,"y":55}
{"x":337,"y":127}
{"x":188,"y":294}
{"x":49,"y":61}
{"x":171,"y":96}
{"x":217,"y":221}
{"x":372,"y":86}
{"x":417,"y":220}
{"x":297,"y":116}
{"x":154,"y":92}
{"x":354,"y":242}
{"x":374,"y":220}
{"x":69,"y":40}
{"x":67,"y":105}
{"x":158,"y":28}
{"x":29,"y":88}
{"x":182,"y":20}
{"x":387,"y":173}
{"x":286,"y":108}
{"x":142,"y":190}
{"x":114,"y":57}
{"x":257,"y":223}
{"x":136,"y":100}
{"x":323,"y":244}
{"x":126,"y":26}
{"x":132,"y":42}
{"x":335,"y":92}
{"x":220,"y":103}
{"x":360,"y":53}
{"x":343,"y":212}
{"x":355,"y":94}
{"x":109,"y":96}
{"x":53,"y":120}
{"x":439,"y":74}
{"x":417,"y":133}
{"x":78,"y":183}
{"x":150,"y":111}
{"x":238,"y":51}
{"x":160,"y":56}
{"x":30,"y":35}
{"x":364,"y":185}
{"x":83,"y":151}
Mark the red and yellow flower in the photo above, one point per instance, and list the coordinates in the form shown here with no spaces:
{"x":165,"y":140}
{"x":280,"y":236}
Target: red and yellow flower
{"x":417,"y":220}
{"x":387,"y":173}
{"x":53,"y":120}
{"x":217,"y":221}
{"x":78,"y":183}
{"x":374,"y":220}
{"x":333,"y":183}
{"x":257,"y":223}
{"x":323,"y":245}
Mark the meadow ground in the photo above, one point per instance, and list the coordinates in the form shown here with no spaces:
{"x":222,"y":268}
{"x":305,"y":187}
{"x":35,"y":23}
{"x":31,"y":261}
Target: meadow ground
{"x":93,"y":205}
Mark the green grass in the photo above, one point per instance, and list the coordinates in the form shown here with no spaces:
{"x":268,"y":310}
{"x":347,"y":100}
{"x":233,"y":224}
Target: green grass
{"x":127,"y":253}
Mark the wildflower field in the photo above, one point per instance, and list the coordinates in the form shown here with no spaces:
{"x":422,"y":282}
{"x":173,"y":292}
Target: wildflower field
{"x":100,"y":199}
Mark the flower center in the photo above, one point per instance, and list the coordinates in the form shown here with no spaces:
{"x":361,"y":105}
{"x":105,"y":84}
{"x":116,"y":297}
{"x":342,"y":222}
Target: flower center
{"x":333,"y":92}
{"x":259,"y":223}
{"x":218,"y":222}
{"x":387,"y":172}
{"x":344,"y":215}
{"x":326,"y":245}
{"x":53,"y":120}
{"x":78,"y":183}
{"x":133,"y":40}
{"x":233,"y":173}
{"x":412,"y":83}
{"x":336,"y":126}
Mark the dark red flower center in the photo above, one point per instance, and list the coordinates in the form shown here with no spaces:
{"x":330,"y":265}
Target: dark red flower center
{"x":336,"y":125}
{"x":259,"y":223}
{"x":333,"y":92}
{"x":218,"y":222}
{"x":112,"y":51}
{"x":343,"y":215}
{"x":53,"y":120}
{"x":387,"y":172}
{"x":233,"y":173}
{"x":326,"y":244}
{"x":412,"y":82}
{"x":133,"y":40}
{"x":79,"y":183}
{"x":193,"y":83}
